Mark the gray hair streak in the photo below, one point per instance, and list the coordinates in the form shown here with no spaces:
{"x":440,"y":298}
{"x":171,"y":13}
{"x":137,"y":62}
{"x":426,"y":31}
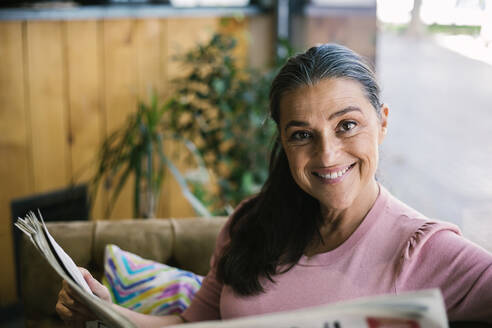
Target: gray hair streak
{"x":322,"y":62}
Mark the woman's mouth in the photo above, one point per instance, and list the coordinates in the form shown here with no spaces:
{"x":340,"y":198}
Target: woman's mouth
{"x":333,"y":176}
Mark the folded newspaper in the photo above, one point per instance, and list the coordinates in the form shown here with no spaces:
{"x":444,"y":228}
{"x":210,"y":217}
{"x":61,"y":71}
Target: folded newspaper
{"x":37,"y":232}
{"x":422,"y":309}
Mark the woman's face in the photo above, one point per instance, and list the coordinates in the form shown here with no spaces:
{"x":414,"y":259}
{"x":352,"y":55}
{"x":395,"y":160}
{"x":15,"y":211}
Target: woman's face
{"x":331,"y":133}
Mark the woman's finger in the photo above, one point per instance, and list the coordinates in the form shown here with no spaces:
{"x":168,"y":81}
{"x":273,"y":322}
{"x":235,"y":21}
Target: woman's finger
{"x":63,"y":311}
{"x":69,"y":296}
{"x":65,"y":298}
{"x":69,"y":314}
{"x":76,"y":307}
{"x":70,"y":292}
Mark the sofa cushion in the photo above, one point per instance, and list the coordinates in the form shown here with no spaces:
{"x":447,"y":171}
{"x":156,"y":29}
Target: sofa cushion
{"x":146,"y":286}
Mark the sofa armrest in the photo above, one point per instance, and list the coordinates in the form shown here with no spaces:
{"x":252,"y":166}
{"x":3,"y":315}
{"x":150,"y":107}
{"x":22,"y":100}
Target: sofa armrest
{"x":40,"y":284}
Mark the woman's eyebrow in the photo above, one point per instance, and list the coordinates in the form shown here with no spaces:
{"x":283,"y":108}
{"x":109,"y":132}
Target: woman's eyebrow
{"x":295,"y":123}
{"x":344,"y":111}
{"x":332,"y":116}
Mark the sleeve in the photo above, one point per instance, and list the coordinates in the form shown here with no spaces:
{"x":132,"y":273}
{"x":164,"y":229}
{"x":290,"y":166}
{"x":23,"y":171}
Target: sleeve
{"x":438,"y":257}
{"x":206,"y":303}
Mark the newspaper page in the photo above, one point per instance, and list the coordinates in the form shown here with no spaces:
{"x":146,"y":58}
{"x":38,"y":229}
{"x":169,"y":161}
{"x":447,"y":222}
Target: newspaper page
{"x":37,"y":232}
{"x":422,"y":309}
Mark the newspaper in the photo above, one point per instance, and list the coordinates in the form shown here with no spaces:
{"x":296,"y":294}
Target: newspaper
{"x":422,"y":309}
{"x":37,"y":232}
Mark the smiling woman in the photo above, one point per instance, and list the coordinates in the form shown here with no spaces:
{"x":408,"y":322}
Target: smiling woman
{"x":330,"y":134}
{"x":322,"y":229}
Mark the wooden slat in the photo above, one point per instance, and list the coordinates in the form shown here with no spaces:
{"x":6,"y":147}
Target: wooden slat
{"x":164,"y":85}
{"x":14,"y":147}
{"x":149,"y":64}
{"x":356,"y":32}
{"x":261,"y":45}
{"x":47,"y":104}
{"x":84,"y":103}
{"x":183,"y":35}
{"x":237,"y":28}
{"x":121,"y":90}
{"x":163,"y":91}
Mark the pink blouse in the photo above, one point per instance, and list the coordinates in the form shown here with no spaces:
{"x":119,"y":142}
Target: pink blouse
{"x":395,"y":249}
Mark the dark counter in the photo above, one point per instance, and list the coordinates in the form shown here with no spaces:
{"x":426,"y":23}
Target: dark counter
{"x":123,"y":11}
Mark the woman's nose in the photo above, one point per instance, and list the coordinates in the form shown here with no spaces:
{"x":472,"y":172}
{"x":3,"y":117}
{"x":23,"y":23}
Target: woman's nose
{"x":328,"y":148}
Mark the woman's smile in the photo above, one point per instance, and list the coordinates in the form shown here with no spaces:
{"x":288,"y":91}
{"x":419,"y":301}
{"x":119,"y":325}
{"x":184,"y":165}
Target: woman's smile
{"x":334,"y":175}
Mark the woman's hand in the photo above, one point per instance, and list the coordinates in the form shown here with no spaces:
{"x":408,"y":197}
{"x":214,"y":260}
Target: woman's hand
{"x":69,"y":307}
{"x":74,"y":313}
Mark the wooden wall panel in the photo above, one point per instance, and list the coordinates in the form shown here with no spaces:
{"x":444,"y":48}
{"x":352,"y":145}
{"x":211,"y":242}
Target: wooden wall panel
{"x":84,"y":102}
{"x":66,"y":85}
{"x":121,"y":90}
{"x":47,"y":105}
{"x":14,"y":146}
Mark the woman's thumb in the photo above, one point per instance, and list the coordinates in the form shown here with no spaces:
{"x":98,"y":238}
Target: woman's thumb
{"x":97,"y":288}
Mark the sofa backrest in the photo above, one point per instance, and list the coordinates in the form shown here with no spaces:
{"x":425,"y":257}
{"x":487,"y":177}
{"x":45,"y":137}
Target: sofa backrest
{"x":185,"y":243}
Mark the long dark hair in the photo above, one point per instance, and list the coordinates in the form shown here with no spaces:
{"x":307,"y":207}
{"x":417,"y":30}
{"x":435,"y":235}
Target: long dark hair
{"x":274,"y":228}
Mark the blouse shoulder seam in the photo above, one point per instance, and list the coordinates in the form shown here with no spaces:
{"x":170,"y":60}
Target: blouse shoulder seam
{"x":419,"y":237}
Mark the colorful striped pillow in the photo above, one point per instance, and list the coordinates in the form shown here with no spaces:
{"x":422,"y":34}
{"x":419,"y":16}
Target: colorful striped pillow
{"x":146,"y":286}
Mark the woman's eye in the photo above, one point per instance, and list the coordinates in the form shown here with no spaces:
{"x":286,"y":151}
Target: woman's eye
{"x":345,"y":126}
{"x":300,"y":136}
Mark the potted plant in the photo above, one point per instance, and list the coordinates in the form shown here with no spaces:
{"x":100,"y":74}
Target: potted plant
{"x":138,"y":148}
{"x":219,"y":112}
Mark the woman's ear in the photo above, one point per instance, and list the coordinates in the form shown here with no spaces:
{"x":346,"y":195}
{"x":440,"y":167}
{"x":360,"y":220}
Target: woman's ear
{"x":383,"y":122}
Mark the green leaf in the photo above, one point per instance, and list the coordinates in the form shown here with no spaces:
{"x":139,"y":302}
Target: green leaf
{"x":116,"y":192}
{"x":219,"y":86}
{"x":136,"y":191}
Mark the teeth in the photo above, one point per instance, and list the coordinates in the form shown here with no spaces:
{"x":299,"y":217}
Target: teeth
{"x":333,"y":175}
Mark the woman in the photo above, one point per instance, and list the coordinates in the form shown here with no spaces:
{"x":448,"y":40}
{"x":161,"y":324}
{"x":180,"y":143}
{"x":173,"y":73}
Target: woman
{"x":322,"y":229}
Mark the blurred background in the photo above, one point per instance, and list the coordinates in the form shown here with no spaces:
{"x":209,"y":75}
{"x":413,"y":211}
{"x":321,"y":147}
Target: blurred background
{"x":84,"y":86}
